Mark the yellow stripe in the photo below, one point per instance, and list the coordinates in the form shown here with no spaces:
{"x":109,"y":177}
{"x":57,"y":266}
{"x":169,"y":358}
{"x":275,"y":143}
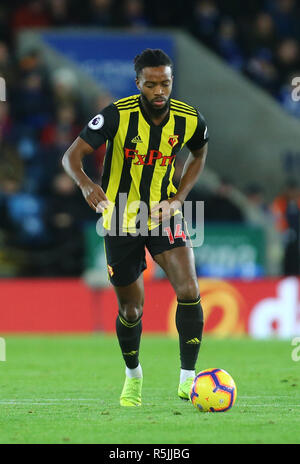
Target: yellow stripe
{"x":129,"y":107}
{"x":159,"y":171}
{"x":171,"y":187}
{"x":116,"y":167}
{"x":191,"y":125}
{"x":182,"y":104}
{"x":129,"y":324}
{"x":183,"y":107}
{"x":133,"y":202}
{"x":189,"y":304}
{"x":182,"y":112}
{"x":124,"y":105}
{"x":127,"y":100}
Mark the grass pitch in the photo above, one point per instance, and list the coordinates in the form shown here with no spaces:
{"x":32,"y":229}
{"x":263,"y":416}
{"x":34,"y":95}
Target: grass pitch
{"x":65,"y":389}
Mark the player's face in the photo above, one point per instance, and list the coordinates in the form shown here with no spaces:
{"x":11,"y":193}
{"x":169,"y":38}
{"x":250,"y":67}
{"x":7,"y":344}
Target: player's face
{"x":155,"y":85}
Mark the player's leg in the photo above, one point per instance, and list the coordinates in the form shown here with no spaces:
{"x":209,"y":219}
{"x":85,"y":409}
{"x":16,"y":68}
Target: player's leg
{"x":129,"y":321}
{"x":179,"y":266}
{"x":129,"y":330}
{"x":126,"y":261}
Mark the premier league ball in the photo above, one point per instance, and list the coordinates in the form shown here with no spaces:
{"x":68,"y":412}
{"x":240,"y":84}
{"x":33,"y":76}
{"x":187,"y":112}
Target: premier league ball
{"x":213,"y":390}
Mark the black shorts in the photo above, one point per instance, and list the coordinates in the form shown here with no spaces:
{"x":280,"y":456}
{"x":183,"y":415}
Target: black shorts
{"x":125,"y":255}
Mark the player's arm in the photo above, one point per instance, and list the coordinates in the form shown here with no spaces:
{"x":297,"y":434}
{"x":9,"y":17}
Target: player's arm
{"x":192,"y":169}
{"x":196,"y":160}
{"x":72,"y":163}
{"x":101,"y":128}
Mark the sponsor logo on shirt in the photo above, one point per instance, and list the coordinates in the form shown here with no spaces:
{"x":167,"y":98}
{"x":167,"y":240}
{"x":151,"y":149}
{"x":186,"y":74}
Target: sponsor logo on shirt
{"x":144,"y":160}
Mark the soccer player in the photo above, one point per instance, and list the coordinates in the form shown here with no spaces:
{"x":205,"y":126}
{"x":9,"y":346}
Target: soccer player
{"x":143,"y":135}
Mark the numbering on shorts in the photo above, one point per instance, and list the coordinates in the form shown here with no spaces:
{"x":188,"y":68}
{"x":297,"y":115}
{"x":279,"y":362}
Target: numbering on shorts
{"x":179,"y":233}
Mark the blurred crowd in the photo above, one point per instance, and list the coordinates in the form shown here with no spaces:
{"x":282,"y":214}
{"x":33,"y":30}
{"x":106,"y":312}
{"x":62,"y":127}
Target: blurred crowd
{"x":259,"y":38}
{"x":42,"y":212}
{"x":279,"y":218}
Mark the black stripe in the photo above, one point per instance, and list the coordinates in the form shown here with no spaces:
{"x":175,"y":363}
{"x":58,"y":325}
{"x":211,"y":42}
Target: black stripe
{"x":107,"y":165}
{"x":182,"y":111}
{"x":185,"y":108}
{"x":179,"y":129}
{"x":148,"y":171}
{"x":125,"y":180}
{"x":126,"y":101}
{"x":128,"y":98}
{"x":128,"y":107}
{"x":181,"y":104}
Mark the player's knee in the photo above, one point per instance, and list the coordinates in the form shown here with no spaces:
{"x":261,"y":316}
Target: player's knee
{"x":188,"y":290}
{"x":131,"y":312}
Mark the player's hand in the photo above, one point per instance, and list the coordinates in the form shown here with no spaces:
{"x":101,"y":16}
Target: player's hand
{"x":95,"y":196}
{"x":164,"y":210}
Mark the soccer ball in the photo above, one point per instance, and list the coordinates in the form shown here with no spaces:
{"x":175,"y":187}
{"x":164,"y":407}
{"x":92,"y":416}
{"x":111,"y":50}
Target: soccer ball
{"x":213,"y":390}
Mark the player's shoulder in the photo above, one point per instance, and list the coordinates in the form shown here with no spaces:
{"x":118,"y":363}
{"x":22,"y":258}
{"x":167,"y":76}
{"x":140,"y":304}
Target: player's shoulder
{"x":182,"y":107}
{"x":127,"y":103}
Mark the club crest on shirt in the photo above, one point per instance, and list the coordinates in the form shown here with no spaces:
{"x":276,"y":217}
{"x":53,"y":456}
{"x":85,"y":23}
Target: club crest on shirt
{"x":173,"y":140}
{"x":97,"y":122}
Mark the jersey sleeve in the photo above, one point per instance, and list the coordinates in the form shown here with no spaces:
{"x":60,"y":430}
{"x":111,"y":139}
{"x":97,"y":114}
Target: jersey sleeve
{"x":101,"y":127}
{"x":200,"y":136}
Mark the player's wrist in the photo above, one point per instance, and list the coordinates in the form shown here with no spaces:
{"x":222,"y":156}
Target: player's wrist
{"x":84,"y":181}
{"x":178,"y":198}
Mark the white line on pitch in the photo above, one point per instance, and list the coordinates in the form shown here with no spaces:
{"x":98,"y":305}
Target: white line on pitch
{"x":98,"y":399}
{"x":47,"y":400}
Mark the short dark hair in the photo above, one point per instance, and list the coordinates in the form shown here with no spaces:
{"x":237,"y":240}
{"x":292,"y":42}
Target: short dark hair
{"x":151,"y":58}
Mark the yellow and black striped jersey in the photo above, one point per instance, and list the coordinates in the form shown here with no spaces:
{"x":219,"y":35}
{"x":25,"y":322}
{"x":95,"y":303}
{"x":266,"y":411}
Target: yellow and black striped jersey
{"x":140,"y":156}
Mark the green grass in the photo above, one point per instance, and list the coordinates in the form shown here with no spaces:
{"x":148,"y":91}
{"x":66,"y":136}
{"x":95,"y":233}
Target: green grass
{"x":65,"y":389}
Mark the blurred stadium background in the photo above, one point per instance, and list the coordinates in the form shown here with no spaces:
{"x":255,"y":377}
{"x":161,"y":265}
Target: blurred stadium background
{"x":63,"y":61}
